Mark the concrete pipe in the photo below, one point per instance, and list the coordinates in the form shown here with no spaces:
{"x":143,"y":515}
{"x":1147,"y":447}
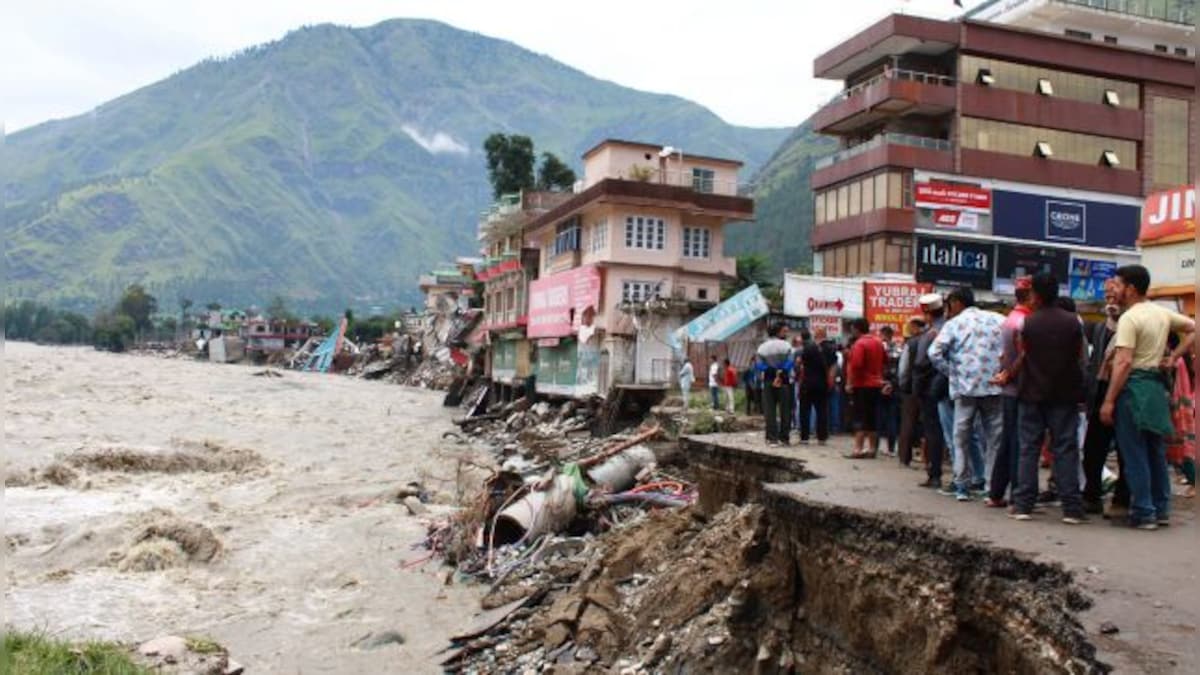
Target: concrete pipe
{"x":618,"y":472}
{"x":538,"y":513}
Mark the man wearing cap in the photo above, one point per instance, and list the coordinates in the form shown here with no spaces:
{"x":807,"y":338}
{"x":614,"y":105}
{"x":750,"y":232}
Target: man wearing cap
{"x":910,"y":408}
{"x":1004,"y":471}
{"x":931,"y":387}
{"x":967,"y":350}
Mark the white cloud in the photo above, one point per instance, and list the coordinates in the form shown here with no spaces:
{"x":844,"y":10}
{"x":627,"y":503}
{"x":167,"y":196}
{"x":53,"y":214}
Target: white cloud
{"x":439,"y":143}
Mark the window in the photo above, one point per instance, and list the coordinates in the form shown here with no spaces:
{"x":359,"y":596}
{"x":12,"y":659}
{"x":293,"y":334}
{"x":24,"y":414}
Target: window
{"x":868,"y":195}
{"x":701,"y":293}
{"x":645,"y":232}
{"x":1081,"y":34}
{"x":1023,"y":140}
{"x":696,"y":242}
{"x":843,"y":199}
{"x":566,"y":236}
{"x":1069,"y":85}
{"x":855,"y":198}
{"x":599,"y":236}
{"x":895,"y":191}
{"x":1181,"y":51}
{"x":881,"y":190}
{"x":1169,"y":161}
{"x":639,"y":291}
{"x":907,"y":189}
{"x":819,"y":208}
{"x":1110,"y":39}
{"x":1160,"y":48}
{"x":702,"y":180}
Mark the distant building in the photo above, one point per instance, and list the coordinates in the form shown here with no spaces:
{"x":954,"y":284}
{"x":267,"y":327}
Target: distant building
{"x":265,"y":336}
{"x":449,"y":286}
{"x":634,"y":254}
{"x":1020,"y":138}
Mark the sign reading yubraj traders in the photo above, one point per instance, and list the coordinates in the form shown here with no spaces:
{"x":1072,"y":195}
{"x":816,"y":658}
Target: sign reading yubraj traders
{"x":891,"y":303}
{"x":560,"y":303}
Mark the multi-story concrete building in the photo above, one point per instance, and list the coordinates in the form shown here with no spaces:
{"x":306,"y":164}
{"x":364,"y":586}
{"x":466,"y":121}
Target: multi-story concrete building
{"x":508,"y":267}
{"x":636,"y":252}
{"x":976,"y":151}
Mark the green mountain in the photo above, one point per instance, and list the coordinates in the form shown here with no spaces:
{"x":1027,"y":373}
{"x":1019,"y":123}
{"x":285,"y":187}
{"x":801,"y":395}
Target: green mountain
{"x":783,"y":204}
{"x":332,"y":167}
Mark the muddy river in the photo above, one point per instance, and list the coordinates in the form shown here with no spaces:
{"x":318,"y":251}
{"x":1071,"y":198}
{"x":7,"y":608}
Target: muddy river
{"x":292,"y":552}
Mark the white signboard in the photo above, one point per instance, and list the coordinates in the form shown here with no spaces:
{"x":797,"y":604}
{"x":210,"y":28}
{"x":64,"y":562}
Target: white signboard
{"x":806,"y":295}
{"x":1171,"y":265}
{"x":830,"y":325}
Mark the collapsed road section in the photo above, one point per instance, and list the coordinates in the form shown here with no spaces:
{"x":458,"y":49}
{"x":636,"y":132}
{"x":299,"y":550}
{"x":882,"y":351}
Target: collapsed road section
{"x":754,"y":578}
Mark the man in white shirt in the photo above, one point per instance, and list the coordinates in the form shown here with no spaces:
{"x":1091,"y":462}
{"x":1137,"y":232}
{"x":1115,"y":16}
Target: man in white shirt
{"x":714,"y":383}
{"x":687,"y":375}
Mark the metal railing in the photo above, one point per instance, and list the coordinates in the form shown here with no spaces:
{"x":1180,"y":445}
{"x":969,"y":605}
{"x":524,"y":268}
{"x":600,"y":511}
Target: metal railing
{"x":880,"y":141}
{"x":896,"y":74}
{"x":1171,"y":11}
{"x":676,"y":178}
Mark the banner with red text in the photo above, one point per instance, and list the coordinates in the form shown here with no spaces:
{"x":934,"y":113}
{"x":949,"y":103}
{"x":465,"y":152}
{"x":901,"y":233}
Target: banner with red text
{"x":892,"y":303}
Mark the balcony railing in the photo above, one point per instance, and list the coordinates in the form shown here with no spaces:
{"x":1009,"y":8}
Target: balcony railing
{"x":685,"y":179}
{"x":880,"y":141}
{"x":899,"y":75}
{"x":1171,"y":11}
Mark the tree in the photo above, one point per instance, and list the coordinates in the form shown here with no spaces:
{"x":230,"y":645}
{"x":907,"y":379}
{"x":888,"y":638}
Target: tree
{"x":138,"y":305}
{"x":114,"y":332}
{"x":554,"y":175}
{"x":752,"y":268}
{"x":278,"y":310}
{"x":213,"y":306}
{"x":510,"y":161}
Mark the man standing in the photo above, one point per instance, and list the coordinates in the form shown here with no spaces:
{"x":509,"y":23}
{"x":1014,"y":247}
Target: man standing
{"x":687,"y":376}
{"x":1099,"y":437}
{"x":967,"y":350}
{"x":714,"y":383}
{"x":775,"y":363}
{"x":1049,"y":380}
{"x":889,"y":395}
{"x":1004,"y":471}
{"x":729,"y":384}
{"x":931,"y":387}
{"x":815,"y":383}
{"x":1136,"y":400}
{"x":910,"y":403}
{"x":864,"y":381}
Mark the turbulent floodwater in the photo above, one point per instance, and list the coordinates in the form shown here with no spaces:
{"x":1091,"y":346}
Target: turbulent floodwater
{"x":290,"y":474}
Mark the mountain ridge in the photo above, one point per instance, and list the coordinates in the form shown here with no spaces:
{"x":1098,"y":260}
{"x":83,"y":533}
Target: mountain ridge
{"x":330,"y":166}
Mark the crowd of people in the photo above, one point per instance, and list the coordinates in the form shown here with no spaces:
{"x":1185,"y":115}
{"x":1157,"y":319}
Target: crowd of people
{"x":998,"y":396}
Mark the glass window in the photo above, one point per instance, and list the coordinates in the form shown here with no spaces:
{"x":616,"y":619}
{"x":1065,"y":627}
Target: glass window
{"x":566,"y":237}
{"x":702,"y":180}
{"x":855,"y":189}
{"x":696,"y":242}
{"x":1074,"y":86}
{"x":839,"y":265}
{"x":645,"y":232}
{"x":877,"y":254}
{"x":868,"y":195}
{"x":892,"y":261}
{"x":1017,"y":139}
{"x":819,"y":208}
{"x":881,"y":190}
{"x":843,"y":199}
{"x":599,"y":236}
{"x":639,"y":291}
{"x":895,"y":190}
{"x":907,"y":189}
{"x":1169,"y":159}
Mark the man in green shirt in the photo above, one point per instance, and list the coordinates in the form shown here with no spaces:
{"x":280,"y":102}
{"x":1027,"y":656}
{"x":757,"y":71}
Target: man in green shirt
{"x":1136,"y":400}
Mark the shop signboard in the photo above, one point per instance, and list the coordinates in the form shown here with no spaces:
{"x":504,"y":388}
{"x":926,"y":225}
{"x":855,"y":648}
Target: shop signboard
{"x":830,"y":325}
{"x":1058,"y":219}
{"x":560,"y":303}
{"x":952,"y":196}
{"x":955,"y":262}
{"x":1171,"y":264}
{"x":891,"y":303}
{"x":1014,"y":261}
{"x":722,"y":321}
{"x":1088,"y":277}
{"x":1169,"y":215}
{"x":807,"y":295}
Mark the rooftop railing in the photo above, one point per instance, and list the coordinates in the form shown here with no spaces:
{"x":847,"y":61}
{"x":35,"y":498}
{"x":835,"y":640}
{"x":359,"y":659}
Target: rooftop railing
{"x":880,"y":141}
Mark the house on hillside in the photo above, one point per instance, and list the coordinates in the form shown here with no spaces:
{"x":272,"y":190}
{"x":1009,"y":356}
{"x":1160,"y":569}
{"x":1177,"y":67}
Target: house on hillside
{"x":635,"y":253}
{"x":449,"y":286}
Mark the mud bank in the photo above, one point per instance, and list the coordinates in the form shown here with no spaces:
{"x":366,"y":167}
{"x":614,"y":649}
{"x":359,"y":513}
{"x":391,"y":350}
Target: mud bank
{"x":755,"y":579}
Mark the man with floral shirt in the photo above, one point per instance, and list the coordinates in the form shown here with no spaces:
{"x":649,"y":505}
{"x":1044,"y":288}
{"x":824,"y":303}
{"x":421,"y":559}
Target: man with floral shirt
{"x":967,"y":350}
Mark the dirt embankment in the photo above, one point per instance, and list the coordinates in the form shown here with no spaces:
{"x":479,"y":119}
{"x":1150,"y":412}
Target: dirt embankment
{"x":786,"y":587}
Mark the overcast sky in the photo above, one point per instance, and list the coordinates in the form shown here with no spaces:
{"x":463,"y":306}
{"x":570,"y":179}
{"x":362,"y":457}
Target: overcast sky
{"x":750,"y":62}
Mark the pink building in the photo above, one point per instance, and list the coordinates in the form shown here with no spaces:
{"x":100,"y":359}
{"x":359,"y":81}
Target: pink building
{"x":632,"y":256}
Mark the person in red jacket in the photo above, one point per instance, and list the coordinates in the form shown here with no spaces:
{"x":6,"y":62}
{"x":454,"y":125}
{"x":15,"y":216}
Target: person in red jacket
{"x":729,"y":382}
{"x":864,"y":381}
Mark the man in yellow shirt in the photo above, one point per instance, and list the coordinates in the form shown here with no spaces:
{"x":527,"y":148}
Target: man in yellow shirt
{"x":1137,"y":395}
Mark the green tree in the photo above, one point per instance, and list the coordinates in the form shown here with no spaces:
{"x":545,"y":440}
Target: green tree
{"x":138,"y":305}
{"x":114,"y":332}
{"x":752,"y":268}
{"x":324,"y":323}
{"x":278,"y":310}
{"x":554,"y":175}
{"x":213,"y":306}
{"x":510,"y":161}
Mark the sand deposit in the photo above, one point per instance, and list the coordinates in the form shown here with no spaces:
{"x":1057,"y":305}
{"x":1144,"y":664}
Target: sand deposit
{"x":149,"y":497}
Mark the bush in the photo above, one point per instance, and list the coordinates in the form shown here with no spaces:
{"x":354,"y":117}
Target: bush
{"x":114,"y":332}
{"x":33,"y":653}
